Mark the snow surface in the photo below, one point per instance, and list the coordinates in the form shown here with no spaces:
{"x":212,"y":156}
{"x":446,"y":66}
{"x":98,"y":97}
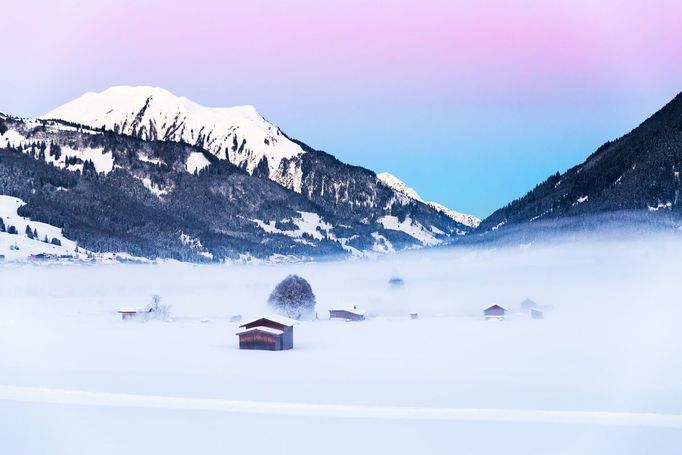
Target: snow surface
{"x":146,"y":159}
{"x":412,"y":228}
{"x":260,"y":329}
{"x":467,"y":220}
{"x":667,"y":205}
{"x":401,"y":187}
{"x":103,"y":161}
{"x":272,"y":317}
{"x":599,"y":375}
{"x":395,"y":183}
{"x":154,"y":189}
{"x":307,"y":223}
{"x":196,"y":162}
{"x":19,"y":246}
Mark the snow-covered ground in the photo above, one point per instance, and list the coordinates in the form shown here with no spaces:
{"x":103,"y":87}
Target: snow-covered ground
{"x":600,"y":374}
{"x":19,"y":246}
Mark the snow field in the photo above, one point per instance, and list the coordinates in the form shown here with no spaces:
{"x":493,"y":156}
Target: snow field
{"x":600,"y":374}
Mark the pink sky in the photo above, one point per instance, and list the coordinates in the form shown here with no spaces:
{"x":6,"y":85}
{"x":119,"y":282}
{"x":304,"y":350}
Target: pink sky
{"x":390,"y":72}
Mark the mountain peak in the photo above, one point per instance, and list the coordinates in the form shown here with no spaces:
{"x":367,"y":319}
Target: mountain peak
{"x":129,"y":98}
{"x":237,"y":134}
{"x":398,"y":185}
{"x":401,"y":187}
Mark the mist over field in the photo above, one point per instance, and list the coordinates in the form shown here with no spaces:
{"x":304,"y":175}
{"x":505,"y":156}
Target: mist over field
{"x":609,"y":342}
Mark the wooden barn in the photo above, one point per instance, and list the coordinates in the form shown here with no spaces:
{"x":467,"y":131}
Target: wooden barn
{"x":347,"y":314}
{"x":270,"y":333}
{"x":494,"y":312}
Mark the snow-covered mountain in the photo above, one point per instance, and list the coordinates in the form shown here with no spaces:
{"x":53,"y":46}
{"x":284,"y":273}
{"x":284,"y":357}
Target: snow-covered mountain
{"x":238,"y":134}
{"x":166,"y":198}
{"x":242,"y":137}
{"x":398,"y":185}
{"x":638,"y":172}
{"x":401,"y":187}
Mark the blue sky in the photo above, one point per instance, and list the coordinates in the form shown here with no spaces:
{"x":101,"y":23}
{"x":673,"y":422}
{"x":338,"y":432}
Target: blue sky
{"x":470,"y":103}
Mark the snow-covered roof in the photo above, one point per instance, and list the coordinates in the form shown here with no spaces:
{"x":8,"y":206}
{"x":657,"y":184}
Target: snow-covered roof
{"x":260,"y":329}
{"x":496,"y":306}
{"x":128,"y":309}
{"x":271,"y":317}
{"x":349,"y":310}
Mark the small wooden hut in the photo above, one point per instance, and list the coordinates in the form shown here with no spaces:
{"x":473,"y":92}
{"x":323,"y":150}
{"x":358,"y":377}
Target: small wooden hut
{"x":347,"y":314}
{"x":271,"y":333}
{"x":494,"y":312}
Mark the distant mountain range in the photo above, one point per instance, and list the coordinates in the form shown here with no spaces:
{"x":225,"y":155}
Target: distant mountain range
{"x":141,"y":171}
{"x":638,"y":173}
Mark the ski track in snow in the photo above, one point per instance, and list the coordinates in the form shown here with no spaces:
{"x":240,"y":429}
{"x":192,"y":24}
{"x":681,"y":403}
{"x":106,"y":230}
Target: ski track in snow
{"x":103,"y":399}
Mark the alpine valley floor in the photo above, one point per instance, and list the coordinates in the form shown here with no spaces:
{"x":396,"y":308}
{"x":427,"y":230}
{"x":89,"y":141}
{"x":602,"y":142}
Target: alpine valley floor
{"x":598,"y":375}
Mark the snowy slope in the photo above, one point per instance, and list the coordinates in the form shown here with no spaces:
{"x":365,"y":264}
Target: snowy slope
{"x":70,"y":157}
{"x":467,"y":220}
{"x":244,"y":138}
{"x":401,"y":187}
{"x":19,"y":246}
{"x":394,"y":182}
{"x":343,"y":209}
{"x":238,"y":134}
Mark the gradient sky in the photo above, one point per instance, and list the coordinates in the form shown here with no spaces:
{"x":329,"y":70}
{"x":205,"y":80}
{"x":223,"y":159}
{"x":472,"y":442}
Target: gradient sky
{"x":471,"y":103}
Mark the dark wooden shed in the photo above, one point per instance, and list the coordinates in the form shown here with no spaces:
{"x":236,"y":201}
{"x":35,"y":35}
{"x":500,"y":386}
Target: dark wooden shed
{"x":494,"y":311}
{"x":347,"y":314}
{"x":270,"y":333}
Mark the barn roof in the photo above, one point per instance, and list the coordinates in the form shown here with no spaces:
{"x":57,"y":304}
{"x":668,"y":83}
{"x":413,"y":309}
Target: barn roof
{"x":495,"y":307}
{"x":128,"y":309}
{"x":349,"y":310}
{"x":271,"y":317}
{"x":260,"y":329}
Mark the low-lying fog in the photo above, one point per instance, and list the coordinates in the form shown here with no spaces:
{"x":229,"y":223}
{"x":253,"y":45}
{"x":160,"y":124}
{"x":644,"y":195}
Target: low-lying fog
{"x":610,"y":340}
{"x":579,"y":279}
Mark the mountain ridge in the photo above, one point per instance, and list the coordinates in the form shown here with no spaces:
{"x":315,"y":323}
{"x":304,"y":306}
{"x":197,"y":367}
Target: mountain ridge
{"x":126,"y":187}
{"x":401,"y":187}
{"x":638,"y":171}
